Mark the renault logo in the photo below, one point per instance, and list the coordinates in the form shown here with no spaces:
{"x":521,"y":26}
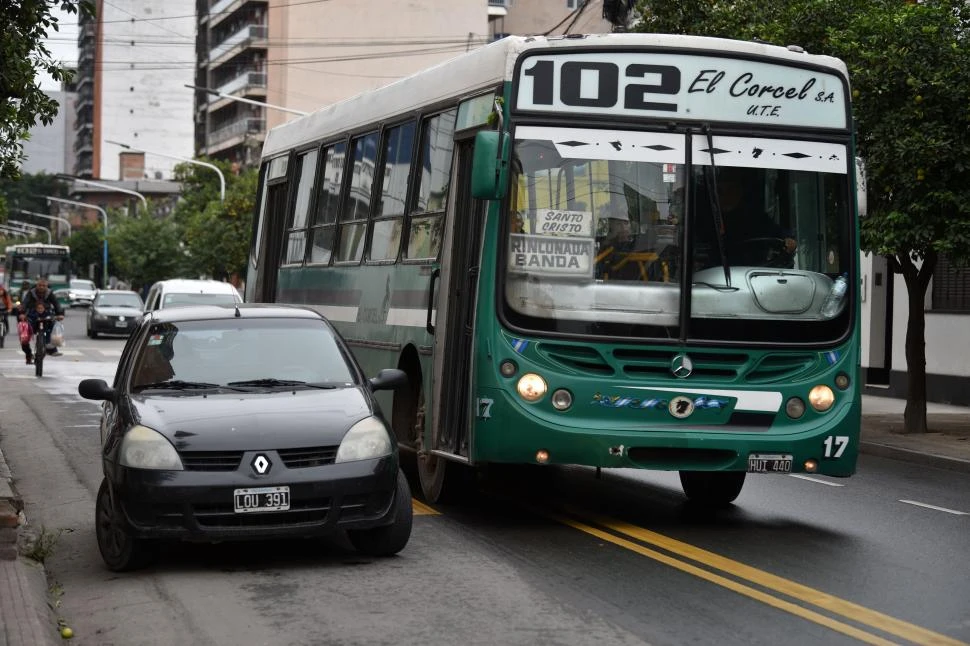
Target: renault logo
{"x":681,"y":366}
{"x":261,"y":464}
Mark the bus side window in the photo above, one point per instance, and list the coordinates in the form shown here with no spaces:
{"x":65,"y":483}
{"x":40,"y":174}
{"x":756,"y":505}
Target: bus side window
{"x":428,"y":213}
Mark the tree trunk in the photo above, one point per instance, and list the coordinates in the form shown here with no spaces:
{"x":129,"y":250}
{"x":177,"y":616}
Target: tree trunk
{"x":917,"y":280}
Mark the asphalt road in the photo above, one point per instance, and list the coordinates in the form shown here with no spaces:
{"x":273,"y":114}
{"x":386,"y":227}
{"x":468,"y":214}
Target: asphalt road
{"x":539,"y":556}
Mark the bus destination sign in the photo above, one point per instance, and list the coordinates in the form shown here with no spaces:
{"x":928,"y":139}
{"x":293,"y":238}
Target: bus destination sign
{"x":551,"y":255}
{"x":681,"y":86}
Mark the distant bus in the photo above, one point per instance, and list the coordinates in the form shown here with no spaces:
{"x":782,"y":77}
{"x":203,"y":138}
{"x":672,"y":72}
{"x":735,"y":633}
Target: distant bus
{"x":538,"y":234}
{"x":30,"y":261}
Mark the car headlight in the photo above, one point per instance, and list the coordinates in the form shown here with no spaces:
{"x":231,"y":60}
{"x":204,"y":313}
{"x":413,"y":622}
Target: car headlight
{"x":100,"y":317}
{"x":145,"y":448}
{"x":366,"y":439}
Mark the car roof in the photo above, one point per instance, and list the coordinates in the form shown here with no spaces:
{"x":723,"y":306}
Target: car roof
{"x":105,"y":292}
{"x":228,"y":312}
{"x":201,"y":286}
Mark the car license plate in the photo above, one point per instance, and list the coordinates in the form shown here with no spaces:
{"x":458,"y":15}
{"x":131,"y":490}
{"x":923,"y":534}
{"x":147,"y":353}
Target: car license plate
{"x":261,"y":499}
{"x":120,"y":324}
{"x":769,"y":463}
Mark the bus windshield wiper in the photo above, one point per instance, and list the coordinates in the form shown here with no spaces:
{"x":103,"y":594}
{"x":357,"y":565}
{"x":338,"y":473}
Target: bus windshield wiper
{"x":271,"y":382}
{"x":716,"y":207}
{"x":178,"y":384}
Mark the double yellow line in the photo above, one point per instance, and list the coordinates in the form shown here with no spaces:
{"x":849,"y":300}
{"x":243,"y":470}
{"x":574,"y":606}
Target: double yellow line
{"x":805,"y":594}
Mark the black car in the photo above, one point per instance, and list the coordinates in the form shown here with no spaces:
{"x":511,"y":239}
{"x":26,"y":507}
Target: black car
{"x":244,"y":422}
{"x":114,"y":312}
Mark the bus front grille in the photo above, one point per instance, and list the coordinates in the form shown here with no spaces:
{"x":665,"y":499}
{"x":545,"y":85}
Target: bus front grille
{"x":780,"y":367}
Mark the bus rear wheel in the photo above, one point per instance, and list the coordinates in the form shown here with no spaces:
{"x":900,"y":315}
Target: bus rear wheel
{"x":712,"y":488}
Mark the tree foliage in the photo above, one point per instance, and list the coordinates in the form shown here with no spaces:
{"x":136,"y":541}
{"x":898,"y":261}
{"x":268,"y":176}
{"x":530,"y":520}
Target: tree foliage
{"x":144,"y":248}
{"x":26,"y":24}
{"x":27,"y":192}
{"x":216,"y":234}
{"x":87,"y":248}
{"x":909,"y":66}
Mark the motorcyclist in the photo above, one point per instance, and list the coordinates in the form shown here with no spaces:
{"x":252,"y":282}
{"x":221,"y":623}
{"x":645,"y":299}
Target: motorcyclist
{"x":29,"y":311}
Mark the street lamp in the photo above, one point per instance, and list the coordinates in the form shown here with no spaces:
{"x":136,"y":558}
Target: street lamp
{"x":222,"y":179}
{"x":106,"y":187}
{"x":104,"y":214}
{"x":35,"y":227}
{"x":262,"y":104}
{"x":48,"y":217}
{"x":20,"y":232}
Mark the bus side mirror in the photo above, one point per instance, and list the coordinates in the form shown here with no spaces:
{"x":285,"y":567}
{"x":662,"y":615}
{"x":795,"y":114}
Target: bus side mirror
{"x":490,"y":165}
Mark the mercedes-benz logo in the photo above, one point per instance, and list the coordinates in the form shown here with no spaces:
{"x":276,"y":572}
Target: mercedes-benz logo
{"x":681,"y":366}
{"x":261,"y":464}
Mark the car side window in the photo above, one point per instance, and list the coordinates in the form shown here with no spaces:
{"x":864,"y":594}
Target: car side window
{"x":150,"y":301}
{"x":124,"y":364}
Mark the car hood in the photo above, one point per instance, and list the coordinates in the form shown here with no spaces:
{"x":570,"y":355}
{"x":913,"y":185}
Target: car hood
{"x":253,"y":421}
{"x":134,"y":312}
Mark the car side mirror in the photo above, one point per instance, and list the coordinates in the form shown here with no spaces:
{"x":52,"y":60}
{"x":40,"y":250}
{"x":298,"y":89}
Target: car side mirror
{"x":389,"y":379}
{"x":96,"y":389}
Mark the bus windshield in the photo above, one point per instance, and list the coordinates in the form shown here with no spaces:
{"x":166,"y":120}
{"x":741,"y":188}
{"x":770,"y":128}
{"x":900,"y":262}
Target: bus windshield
{"x":596,"y":235}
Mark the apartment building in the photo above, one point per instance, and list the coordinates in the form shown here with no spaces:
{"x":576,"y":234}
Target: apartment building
{"x":135,"y":58}
{"x":50,"y":148}
{"x":301,"y":56}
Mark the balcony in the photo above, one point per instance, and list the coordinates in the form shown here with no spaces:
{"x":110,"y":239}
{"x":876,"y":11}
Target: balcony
{"x":240,"y":128}
{"x":243,"y":81}
{"x":244,"y":36}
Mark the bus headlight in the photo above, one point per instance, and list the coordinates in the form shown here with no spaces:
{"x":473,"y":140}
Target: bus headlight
{"x":842,"y":381}
{"x":821,"y":398}
{"x":795,"y":407}
{"x":531,"y":387}
{"x":507,"y":368}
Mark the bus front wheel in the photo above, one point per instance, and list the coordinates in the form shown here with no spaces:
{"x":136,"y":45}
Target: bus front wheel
{"x":712,"y":488}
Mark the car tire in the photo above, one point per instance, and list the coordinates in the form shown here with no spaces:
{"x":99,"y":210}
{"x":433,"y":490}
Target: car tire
{"x":389,"y":539}
{"x":92,"y":334}
{"x":712,"y":488}
{"x":120,"y":550}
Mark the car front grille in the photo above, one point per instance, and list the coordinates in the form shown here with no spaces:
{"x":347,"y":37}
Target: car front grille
{"x":311,"y":457}
{"x":305,"y":511}
{"x":211,"y":460}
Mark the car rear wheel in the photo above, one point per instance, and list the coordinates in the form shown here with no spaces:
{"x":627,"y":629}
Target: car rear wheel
{"x":390,"y":539}
{"x":120,"y":550}
{"x":712,"y":488}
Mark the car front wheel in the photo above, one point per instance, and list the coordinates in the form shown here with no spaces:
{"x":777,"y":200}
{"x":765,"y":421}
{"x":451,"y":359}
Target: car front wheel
{"x":390,"y":539}
{"x":120,"y":550}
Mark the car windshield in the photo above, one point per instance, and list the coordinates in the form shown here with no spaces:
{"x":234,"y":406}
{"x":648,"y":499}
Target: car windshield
{"x":82,"y":284}
{"x":119,"y":300}
{"x":185,"y":299}
{"x":257,"y":352}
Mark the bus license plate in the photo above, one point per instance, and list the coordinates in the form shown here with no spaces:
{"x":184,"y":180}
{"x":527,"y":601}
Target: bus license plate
{"x":261,"y":499}
{"x":769,"y":463}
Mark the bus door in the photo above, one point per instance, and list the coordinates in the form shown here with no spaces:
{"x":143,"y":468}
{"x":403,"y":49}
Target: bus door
{"x":455,"y":314}
{"x":271,"y":242}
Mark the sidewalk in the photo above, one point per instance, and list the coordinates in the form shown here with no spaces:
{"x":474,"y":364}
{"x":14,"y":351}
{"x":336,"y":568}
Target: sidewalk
{"x":27,"y":620}
{"x":945,"y":446}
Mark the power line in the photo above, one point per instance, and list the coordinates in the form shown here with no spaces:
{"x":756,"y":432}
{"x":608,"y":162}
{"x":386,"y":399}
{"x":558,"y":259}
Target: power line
{"x":196,"y":15}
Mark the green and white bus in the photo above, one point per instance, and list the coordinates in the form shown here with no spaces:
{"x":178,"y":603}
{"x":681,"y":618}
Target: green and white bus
{"x":623,"y":250}
{"x":33,"y":260}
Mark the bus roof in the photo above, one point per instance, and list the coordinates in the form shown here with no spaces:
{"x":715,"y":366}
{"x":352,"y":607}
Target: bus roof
{"x":485,"y":68}
{"x":34,"y":247}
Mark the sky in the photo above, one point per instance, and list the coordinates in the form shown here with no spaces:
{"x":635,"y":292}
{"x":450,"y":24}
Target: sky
{"x":62,"y":44}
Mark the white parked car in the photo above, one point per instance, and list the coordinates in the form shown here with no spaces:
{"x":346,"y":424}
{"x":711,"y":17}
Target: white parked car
{"x":180,"y":292}
{"x":80,"y":292}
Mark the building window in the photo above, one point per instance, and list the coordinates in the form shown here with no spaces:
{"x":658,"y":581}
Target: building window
{"x":951,"y":286}
{"x":573,"y":4}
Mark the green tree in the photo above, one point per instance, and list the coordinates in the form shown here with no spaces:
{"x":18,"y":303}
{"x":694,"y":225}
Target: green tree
{"x":87,"y":248}
{"x":26,"y":24}
{"x":144,"y":248}
{"x":909,"y":66}
{"x":216,"y":233}
{"x":27,"y":192}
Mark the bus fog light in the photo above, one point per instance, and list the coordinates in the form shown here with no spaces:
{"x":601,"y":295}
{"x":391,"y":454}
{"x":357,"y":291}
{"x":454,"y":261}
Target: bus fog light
{"x":562,"y":399}
{"x":531,"y":387}
{"x":821,"y":398}
{"x":795,"y":407}
{"x":842,"y":381}
{"x":542,"y":456}
{"x":507,"y":368}
{"x":811,"y":466}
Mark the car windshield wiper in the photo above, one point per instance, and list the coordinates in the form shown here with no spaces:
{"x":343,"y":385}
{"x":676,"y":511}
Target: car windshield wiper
{"x":270,"y":382}
{"x":178,"y":384}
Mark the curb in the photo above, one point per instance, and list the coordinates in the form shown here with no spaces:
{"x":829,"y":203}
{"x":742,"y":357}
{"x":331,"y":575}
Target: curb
{"x":26,"y":617}
{"x":915,"y":457}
